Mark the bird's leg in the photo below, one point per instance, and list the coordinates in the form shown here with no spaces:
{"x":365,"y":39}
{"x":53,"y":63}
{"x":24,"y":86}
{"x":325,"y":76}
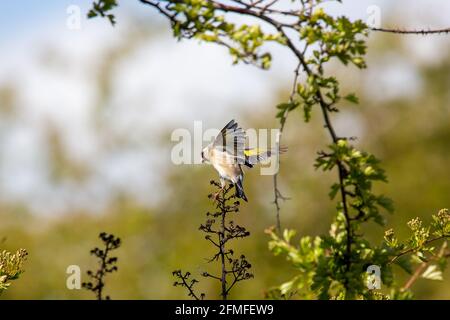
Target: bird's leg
{"x":222,"y":188}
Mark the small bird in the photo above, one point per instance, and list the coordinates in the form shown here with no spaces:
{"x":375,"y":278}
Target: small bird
{"x":227,"y":154}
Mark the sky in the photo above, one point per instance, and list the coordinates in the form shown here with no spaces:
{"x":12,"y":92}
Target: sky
{"x":160,"y":84}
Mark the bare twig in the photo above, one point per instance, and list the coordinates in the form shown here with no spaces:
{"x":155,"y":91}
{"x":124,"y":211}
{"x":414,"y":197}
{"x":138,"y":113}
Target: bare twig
{"x":416,"y":32}
{"x":222,"y":241}
{"x":185,"y":281}
{"x":107,"y":264}
{"x":277,"y":193}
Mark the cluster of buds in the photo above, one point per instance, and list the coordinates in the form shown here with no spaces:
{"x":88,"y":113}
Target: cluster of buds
{"x":11,"y":266}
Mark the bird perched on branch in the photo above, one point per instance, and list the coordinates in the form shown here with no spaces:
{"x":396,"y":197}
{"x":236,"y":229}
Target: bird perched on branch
{"x":227,"y":153}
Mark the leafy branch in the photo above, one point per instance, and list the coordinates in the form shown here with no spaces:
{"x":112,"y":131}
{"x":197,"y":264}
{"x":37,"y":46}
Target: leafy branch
{"x":418,"y":249}
{"x":102,"y":8}
{"x":416,"y":255}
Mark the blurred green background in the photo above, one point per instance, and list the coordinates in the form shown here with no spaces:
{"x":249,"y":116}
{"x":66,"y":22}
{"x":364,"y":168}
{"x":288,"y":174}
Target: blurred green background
{"x":85,"y":123}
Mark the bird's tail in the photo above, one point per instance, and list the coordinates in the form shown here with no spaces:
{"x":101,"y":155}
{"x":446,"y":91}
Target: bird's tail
{"x":240,"y":190}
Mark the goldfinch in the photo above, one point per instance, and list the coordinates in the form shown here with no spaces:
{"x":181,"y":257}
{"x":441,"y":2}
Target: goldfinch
{"x":227,"y":154}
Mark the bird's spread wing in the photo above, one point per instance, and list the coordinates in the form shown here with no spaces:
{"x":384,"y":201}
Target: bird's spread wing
{"x":231,"y":140}
{"x":229,"y":146}
{"x":256,"y":155}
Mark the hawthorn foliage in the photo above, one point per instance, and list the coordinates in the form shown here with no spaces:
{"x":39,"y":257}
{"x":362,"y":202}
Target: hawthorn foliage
{"x":331,"y":266}
{"x":11,"y":267}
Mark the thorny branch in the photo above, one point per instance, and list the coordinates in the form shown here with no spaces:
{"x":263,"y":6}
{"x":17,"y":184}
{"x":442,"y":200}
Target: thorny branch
{"x":223,"y":232}
{"x":184,"y":281}
{"x":220,"y":230}
{"x":107,"y":265}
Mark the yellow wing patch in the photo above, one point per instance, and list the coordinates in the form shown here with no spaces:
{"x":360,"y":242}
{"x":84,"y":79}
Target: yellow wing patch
{"x":254,"y":151}
{"x":259,"y":151}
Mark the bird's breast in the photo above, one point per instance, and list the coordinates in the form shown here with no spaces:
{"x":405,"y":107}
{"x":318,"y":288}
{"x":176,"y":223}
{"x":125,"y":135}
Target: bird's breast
{"x":230,"y":172}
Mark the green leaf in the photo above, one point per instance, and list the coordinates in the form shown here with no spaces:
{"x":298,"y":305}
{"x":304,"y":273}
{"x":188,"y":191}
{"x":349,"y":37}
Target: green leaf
{"x":405,"y":264}
{"x":352,"y":98}
{"x":421,"y":256}
{"x":386,"y":203}
{"x":288,"y":234}
{"x":92,"y":14}
{"x":334,"y":189}
{"x":286,"y":287}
